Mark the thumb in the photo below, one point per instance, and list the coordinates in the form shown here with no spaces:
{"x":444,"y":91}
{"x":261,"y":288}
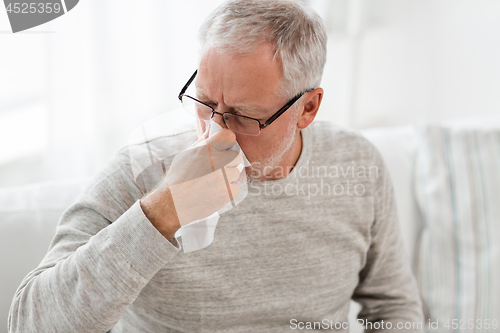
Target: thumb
{"x":224,"y":139}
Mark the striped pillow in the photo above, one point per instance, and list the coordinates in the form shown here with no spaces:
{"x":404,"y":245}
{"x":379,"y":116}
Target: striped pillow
{"x":457,"y":184}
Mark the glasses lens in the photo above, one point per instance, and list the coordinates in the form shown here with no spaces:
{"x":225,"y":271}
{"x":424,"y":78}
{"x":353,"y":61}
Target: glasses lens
{"x":195,"y":108}
{"x":241,"y":124}
{"x":234,"y":122}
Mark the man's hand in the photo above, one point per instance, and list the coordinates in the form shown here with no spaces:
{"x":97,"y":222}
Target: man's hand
{"x":200,"y":181}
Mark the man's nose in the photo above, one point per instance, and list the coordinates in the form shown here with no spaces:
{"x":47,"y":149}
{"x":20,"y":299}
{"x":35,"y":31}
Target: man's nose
{"x":219,"y":120}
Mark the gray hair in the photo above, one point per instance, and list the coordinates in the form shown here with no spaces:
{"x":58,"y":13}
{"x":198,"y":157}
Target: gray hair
{"x":296,"y":31}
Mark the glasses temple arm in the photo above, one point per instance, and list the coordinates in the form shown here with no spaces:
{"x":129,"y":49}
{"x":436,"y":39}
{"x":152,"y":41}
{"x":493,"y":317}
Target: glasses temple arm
{"x":283,"y":109}
{"x":187,"y":85}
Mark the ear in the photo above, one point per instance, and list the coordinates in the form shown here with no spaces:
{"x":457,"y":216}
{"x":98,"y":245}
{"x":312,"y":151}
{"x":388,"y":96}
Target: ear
{"x":309,"y":108}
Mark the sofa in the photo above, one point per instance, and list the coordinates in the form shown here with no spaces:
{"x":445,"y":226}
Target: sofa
{"x":29,"y":214}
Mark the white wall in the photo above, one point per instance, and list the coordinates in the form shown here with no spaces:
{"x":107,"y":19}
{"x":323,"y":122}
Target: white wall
{"x":416,"y":59}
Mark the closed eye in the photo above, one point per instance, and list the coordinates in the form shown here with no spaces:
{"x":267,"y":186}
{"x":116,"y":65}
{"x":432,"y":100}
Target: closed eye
{"x":239,"y":113}
{"x":233,"y":111}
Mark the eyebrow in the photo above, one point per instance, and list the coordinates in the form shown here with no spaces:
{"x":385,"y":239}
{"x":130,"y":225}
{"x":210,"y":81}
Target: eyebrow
{"x":250,"y":110}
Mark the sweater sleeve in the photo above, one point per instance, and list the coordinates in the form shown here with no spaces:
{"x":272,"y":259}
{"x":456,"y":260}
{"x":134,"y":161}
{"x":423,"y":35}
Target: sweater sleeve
{"x":104,"y":252}
{"x":387,"y":290}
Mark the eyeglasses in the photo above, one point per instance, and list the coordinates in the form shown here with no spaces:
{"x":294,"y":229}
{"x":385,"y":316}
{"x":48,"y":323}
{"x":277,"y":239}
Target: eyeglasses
{"x":235,"y":122}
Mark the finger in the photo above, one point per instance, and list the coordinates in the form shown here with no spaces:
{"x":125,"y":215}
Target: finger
{"x":221,"y":146}
{"x":201,"y":139}
{"x":234,"y":163}
{"x":223,"y":158}
{"x":233,"y":174}
{"x":225,"y":139}
{"x":191,"y":163}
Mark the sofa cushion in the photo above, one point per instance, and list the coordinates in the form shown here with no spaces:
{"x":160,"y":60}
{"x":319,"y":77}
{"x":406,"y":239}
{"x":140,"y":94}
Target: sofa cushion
{"x":28,"y":218}
{"x":457,"y":183}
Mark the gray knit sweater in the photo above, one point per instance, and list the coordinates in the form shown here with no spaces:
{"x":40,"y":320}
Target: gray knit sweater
{"x":294,"y":252}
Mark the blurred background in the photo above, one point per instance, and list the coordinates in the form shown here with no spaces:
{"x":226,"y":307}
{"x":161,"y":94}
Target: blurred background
{"x":72,"y":90}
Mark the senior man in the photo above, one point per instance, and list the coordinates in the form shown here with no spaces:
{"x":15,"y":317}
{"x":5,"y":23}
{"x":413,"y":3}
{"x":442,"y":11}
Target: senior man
{"x":317,"y":228}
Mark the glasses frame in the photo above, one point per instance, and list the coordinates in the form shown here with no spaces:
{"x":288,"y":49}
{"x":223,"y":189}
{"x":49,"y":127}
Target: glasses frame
{"x":268,"y":122}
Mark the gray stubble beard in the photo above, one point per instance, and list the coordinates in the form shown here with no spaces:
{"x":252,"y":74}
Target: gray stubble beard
{"x":270,"y":163}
